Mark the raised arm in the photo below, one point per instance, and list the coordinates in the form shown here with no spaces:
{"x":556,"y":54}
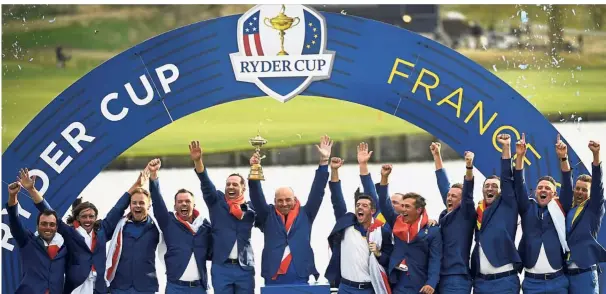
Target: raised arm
{"x":467,"y":205}
{"x":18,"y":230}
{"x":441,"y":177}
{"x":159,"y":206}
{"x":257,"y":197}
{"x":507,"y":190}
{"x":209,"y":192}
{"x":114,"y":215}
{"x":365,"y":178}
{"x":316,"y":194}
{"x":336,"y":193}
{"x":519,"y":182}
{"x":384,"y":201}
{"x":596,"y":199}
{"x":566,"y":191}
{"x":28,"y":182}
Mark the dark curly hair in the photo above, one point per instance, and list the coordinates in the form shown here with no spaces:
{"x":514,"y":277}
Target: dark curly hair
{"x":79,"y":206}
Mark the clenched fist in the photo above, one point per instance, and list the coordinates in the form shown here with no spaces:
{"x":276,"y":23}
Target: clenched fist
{"x":561,"y":148}
{"x":435,"y":148}
{"x":386,"y":170}
{"x":469,"y":158}
{"x":504,"y":139}
{"x":13,"y":189}
{"x":336,"y":162}
{"x":153,"y":166}
{"x":594,"y":146}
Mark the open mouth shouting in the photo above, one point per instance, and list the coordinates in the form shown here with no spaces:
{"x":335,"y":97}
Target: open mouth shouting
{"x":184,"y":212}
{"x":360,"y":214}
{"x":231,"y":193}
{"x":543,"y":196}
{"x":449,"y":204}
{"x":138,"y":212}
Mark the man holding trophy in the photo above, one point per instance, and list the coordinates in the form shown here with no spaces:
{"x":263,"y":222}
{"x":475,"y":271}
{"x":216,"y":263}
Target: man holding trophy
{"x":287,"y":255}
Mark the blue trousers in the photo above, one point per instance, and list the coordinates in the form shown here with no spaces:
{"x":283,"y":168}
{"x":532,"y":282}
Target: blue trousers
{"x":130,"y":290}
{"x":290,"y":277}
{"x":505,"y":285}
{"x":558,"y":285}
{"x":455,"y":284}
{"x":232,"y":279}
{"x":351,"y":290}
{"x":585,"y":283}
{"x":178,"y":289}
{"x":404,"y":285}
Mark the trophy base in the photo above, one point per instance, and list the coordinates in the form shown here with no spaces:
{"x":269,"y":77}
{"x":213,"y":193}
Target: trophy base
{"x":256,"y":173}
{"x":282,"y":53}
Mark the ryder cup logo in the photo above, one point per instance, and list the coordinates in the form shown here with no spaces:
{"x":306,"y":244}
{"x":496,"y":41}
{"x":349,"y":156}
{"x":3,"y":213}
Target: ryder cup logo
{"x":282,"y":49}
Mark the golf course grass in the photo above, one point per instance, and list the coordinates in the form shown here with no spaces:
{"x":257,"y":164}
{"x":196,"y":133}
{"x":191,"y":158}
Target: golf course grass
{"x":31,"y":81}
{"x":301,"y":120}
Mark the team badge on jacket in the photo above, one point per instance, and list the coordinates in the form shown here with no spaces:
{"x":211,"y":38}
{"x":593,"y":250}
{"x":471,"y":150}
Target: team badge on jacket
{"x":282,"y":49}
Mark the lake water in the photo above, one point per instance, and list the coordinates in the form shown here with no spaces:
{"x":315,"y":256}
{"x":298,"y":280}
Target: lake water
{"x":107,"y":187}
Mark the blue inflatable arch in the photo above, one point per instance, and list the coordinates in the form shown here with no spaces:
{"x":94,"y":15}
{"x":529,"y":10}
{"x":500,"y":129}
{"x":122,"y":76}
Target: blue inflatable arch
{"x":189,"y":69}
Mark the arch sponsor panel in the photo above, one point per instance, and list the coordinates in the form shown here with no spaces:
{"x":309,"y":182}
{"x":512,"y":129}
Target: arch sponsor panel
{"x":282,"y":52}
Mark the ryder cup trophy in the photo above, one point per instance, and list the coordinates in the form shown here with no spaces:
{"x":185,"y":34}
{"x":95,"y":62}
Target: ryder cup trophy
{"x":281,"y":23}
{"x":256,"y":171}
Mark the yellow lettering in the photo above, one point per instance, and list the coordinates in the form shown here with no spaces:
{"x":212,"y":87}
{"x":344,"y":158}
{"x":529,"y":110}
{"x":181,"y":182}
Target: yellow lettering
{"x":426,"y":86}
{"x":500,"y":130}
{"x":456,"y":106}
{"x":517,"y":134}
{"x":481,"y":118}
{"x":394,"y":70}
{"x":526,"y":161}
{"x":529,"y":146}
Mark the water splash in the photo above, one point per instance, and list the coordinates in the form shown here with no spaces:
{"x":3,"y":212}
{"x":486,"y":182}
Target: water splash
{"x":524,"y":16}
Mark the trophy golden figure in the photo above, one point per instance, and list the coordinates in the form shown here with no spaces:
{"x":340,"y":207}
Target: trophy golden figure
{"x":256,"y":171}
{"x":281,"y":23}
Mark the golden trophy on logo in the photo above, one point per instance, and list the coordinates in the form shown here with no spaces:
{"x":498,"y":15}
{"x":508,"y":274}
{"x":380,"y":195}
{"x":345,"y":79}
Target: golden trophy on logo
{"x":281,"y":23}
{"x":256,"y":171}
